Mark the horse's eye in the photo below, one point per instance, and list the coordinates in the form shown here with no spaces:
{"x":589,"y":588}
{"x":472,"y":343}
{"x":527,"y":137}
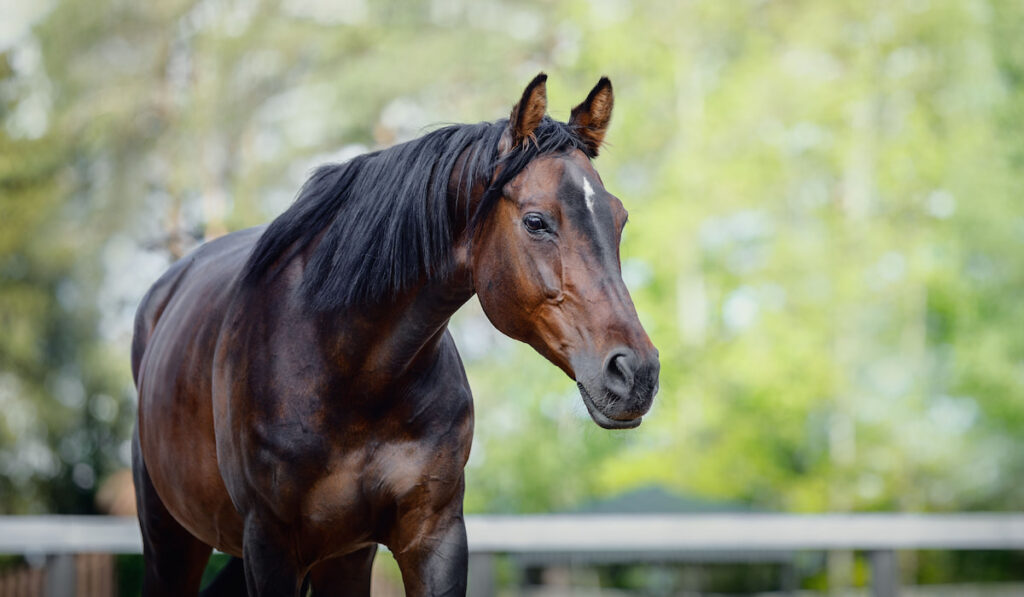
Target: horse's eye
{"x":534,"y":223}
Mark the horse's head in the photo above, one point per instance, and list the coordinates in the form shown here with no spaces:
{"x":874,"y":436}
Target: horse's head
{"x":546,"y":264}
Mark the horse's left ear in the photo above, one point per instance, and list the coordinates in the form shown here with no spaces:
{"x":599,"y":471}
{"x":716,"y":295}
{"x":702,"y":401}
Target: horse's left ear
{"x":591,"y":118}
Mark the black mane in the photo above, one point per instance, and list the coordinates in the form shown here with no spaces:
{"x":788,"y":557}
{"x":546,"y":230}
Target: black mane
{"x":384,"y":219}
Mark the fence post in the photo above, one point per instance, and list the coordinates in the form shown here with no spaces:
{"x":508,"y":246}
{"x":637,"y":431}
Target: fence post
{"x":60,"y":575}
{"x":790,"y":582}
{"x":885,"y":573}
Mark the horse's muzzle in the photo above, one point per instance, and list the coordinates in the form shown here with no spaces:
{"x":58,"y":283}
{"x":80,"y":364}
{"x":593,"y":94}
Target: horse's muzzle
{"x":622,"y":391}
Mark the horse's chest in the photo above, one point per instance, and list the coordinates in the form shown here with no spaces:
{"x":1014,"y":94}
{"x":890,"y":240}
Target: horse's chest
{"x":344,"y":468}
{"x":365,"y":491}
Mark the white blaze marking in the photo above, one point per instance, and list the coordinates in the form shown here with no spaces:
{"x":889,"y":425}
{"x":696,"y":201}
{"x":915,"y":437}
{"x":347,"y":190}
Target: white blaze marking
{"x":588,"y":194}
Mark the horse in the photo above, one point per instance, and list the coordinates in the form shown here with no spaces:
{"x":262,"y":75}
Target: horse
{"x":301,"y":400}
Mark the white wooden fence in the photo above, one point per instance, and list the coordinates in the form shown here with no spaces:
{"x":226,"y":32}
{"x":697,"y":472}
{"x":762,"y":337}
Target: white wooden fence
{"x":585,"y":535}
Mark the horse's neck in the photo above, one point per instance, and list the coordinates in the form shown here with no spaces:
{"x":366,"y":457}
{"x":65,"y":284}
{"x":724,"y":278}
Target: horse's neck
{"x":423,"y":321}
{"x":392,"y":343}
{"x":400,"y":338}
{"x":416,"y":326}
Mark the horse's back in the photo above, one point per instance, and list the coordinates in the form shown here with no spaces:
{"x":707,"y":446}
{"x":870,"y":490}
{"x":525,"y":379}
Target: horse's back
{"x":152,"y":306}
{"x":176,"y":332}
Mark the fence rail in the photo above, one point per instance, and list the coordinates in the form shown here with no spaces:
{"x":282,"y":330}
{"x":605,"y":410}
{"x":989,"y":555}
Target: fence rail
{"x":597,"y":533}
{"x":593,"y":535}
{"x":744,"y":532}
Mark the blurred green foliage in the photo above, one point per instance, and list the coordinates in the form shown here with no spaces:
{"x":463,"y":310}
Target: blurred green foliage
{"x":826,"y":240}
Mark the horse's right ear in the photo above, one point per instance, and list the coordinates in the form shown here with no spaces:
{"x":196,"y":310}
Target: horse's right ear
{"x":526,"y":115}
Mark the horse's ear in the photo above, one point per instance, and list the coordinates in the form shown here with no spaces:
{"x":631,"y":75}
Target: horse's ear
{"x":527,"y":114}
{"x":591,"y":118}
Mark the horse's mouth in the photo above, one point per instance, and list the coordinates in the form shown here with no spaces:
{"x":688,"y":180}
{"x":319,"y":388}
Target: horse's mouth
{"x":602,"y":419}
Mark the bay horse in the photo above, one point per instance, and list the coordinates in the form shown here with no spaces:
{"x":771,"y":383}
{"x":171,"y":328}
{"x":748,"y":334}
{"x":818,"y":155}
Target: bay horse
{"x":300,"y":397}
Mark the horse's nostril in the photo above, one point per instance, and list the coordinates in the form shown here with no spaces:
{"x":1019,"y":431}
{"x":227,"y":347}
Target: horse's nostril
{"x":620,"y":372}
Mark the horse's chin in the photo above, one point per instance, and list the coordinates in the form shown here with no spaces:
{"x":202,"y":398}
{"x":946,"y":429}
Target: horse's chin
{"x":602,"y":419}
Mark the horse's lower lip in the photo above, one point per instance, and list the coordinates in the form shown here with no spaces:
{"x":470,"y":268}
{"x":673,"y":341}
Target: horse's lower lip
{"x":602,"y":419}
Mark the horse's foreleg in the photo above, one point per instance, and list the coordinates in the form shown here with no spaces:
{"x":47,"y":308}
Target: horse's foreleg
{"x":347,"y":576}
{"x":435,"y":560}
{"x":271,"y":569}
